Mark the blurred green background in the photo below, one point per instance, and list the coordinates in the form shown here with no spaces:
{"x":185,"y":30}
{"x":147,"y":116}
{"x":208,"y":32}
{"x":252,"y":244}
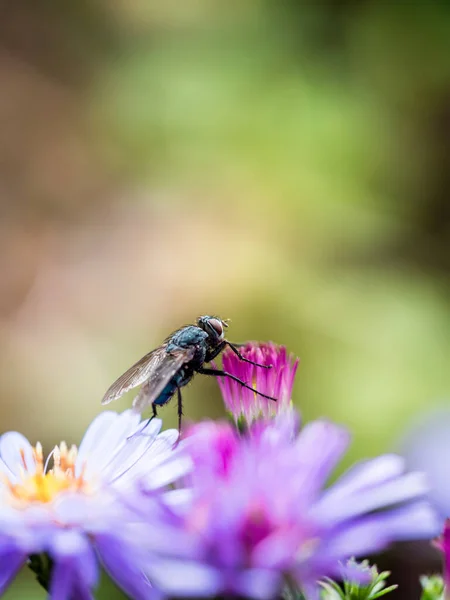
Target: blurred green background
{"x":280,"y":163}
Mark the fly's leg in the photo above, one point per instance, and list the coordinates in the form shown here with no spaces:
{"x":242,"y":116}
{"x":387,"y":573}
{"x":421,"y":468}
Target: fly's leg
{"x":147,"y":423}
{"x":211,"y":354}
{"x":239,"y":355}
{"x":180,"y":409}
{"x":219,"y":373}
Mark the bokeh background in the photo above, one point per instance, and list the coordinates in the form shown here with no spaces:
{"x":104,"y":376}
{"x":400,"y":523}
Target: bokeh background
{"x":280,"y":163}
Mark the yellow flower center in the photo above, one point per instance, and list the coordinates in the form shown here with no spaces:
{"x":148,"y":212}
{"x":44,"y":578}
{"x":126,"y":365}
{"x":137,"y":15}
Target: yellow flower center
{"x":43,"y":486}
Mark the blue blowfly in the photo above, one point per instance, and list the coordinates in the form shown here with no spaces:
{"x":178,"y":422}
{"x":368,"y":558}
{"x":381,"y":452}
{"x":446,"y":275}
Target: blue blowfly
{"x":165,"y":370}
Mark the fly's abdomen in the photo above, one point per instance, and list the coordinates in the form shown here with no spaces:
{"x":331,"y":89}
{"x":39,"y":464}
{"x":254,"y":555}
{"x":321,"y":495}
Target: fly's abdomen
{"x":182,"y":378}
{"x":166,"y":394}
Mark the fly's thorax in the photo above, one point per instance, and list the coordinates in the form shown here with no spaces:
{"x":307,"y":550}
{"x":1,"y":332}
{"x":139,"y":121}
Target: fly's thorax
{"x":187,"y":338}
{"x":194,"y":339}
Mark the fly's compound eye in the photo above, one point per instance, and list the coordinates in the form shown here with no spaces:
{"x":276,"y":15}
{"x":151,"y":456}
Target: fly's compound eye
{"x":217,"y":326}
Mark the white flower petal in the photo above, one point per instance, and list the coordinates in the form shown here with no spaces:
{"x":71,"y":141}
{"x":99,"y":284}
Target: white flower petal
{"x":164,"y":442}
{"x":17,"y":453}
{"x":179,"y":500}
{"x":69,"y":543}
{"x":111,"y":442}
{"x":155,"y":459}
{"x":168,"y":472}
{"x":5,"y":470}
{"x":90,"y":439}
{"x":132,"y":451}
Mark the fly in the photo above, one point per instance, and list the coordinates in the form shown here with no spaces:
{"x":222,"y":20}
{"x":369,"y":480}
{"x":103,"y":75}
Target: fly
{"x":165,"y":370}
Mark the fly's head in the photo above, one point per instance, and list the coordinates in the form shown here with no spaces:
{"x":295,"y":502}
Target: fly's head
{"x":214,"y":327}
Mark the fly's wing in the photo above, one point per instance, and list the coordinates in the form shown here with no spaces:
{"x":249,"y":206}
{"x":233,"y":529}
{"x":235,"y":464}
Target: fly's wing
{"x":135,"y":375}
{"x":160,"y":377}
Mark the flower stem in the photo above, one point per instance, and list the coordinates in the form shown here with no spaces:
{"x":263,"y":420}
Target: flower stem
{"x":41,"y":565}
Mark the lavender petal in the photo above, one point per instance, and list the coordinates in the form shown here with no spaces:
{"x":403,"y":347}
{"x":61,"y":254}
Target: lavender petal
{"x":122,"y":564}
{"x":184,"y":578}
{"x":10,"y":564}
{"x":402,"y":489}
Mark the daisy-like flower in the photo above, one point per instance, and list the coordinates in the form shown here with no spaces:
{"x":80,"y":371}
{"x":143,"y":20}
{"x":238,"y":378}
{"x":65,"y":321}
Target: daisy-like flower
{"x":260,"y":515}
{"x":80,"y":512}
{"x":277,"y":381}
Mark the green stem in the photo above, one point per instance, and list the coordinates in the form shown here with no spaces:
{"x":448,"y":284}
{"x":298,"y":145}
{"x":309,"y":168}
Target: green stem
{"x":41,"y":565}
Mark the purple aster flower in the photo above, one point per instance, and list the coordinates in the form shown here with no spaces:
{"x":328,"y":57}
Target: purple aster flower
{"x":276,"y":382}
{"x":260,"y":516}
{"x":77,"y":512}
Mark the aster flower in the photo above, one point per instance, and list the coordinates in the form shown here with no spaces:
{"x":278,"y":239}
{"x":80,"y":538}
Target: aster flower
{"x":76,"y":512}
{"x":260,"y":515}
{"x":277,"y":382}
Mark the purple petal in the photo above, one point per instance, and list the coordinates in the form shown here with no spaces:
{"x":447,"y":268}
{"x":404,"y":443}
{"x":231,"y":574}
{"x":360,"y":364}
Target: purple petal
{"x":122,"y":564}
{"x":320,"y":446}
{"x":88,"y":567}
{"x":355,"y":572}
{"x":425,"y":448}
{"x":81,"y":590}
{"x":414,"y":522}
{"x":311,"y":590}
{"x":63,"y":577}
{"x":374,"y":533}
{"x":260,"y":584}
{"x":17,"y":453}
{"x":367,"y":474}
{"x":10,"y":564}
{"x":357,"y":539}
{"x":287,"y":423}
{"x":276,"y":551}
{"x":184,"y":578}
{"x":71,"y":545}
{"x":76,"y":568}
{"x":408,"y":487}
